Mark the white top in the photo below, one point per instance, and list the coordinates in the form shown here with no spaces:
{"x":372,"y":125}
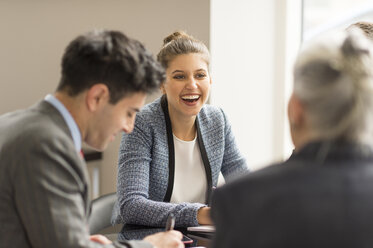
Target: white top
{"x":190,"y":182}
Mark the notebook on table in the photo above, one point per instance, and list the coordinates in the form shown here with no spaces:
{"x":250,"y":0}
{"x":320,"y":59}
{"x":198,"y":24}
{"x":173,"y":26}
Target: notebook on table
{"x":203,"y":228}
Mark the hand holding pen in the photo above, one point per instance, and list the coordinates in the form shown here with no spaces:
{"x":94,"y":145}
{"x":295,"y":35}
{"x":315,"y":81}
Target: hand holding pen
{"x":170,"y":224}
{"x":168,"y":239}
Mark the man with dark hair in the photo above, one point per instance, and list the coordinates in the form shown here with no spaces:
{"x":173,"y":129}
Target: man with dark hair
{"x":43,"y":179}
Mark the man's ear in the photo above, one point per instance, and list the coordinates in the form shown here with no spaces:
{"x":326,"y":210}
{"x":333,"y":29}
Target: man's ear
{"x":96,"y":96}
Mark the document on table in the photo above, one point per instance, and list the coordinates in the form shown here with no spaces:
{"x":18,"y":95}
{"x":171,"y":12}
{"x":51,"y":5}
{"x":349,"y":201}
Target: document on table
{"x":203,"y":228}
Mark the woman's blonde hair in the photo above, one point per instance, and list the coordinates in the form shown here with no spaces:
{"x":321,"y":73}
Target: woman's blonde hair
{"x":179,"y":43}
{"x":333,"y":80}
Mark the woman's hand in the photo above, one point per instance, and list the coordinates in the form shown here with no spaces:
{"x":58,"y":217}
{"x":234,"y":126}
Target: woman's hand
{"x":203,"y":216}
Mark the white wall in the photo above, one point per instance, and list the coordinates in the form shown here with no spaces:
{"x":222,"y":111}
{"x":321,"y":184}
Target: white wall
{"x":252,"y":48}
{"x":250,"y":69}
{"x":35,"y":33}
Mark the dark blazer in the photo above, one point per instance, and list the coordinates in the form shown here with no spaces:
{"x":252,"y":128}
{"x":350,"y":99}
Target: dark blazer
{"x":321,"y":197}
{"x":43,"y":182}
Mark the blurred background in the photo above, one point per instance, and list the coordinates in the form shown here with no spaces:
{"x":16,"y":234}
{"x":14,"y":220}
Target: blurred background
{"x":253,"y":44}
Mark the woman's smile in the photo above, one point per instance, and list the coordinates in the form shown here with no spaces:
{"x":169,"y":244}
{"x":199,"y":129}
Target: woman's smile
{"x":190,"y":100}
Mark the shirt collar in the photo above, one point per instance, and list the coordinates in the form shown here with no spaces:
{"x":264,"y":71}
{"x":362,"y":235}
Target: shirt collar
{"x":73,"y":127}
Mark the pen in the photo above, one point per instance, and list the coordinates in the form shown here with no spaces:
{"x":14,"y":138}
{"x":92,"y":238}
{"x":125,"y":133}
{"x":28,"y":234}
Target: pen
{"x":170,"y":222}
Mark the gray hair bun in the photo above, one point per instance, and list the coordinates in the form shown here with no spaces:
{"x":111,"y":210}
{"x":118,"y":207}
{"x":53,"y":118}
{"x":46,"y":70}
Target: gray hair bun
{"x":333,"y":79}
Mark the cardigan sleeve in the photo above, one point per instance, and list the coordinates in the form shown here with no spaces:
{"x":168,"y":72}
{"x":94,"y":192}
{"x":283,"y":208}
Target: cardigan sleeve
{"x":234,"y":163}
{"x":135,"y":206}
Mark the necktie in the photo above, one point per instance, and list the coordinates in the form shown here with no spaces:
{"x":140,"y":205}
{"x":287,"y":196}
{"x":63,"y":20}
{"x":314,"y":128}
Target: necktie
{"x":81,"y":154}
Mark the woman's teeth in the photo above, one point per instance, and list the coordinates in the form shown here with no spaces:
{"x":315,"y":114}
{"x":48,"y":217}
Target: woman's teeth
{"x":190,"y":98}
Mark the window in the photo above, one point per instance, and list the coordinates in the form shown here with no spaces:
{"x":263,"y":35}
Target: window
{"x":324,"y":15}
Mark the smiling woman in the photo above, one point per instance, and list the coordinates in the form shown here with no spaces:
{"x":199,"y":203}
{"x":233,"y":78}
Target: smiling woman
{"x":172,"y":160}
{"x":187,"y":87}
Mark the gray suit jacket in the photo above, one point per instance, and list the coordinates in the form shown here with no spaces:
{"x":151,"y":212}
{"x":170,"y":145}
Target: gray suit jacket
{"x":43,"y":183}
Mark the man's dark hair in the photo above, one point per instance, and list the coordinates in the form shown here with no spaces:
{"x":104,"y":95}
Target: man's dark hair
{"x":111,"y":58}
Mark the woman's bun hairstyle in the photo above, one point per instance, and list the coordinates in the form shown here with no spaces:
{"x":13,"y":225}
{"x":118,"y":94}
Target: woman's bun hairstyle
{"x":178,"y":43}
{"x":175,"y":35}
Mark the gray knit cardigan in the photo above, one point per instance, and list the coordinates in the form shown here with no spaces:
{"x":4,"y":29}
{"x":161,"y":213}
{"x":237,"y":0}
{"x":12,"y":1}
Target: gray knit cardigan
{"x":143,"y":166}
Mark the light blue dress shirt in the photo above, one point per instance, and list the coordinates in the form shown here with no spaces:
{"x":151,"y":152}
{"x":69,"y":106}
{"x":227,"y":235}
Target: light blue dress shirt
{"x":75,"y":133}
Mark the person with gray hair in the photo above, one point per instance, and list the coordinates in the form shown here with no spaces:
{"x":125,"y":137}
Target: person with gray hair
{"x":322,"y":195}
{"x":366,"y":27}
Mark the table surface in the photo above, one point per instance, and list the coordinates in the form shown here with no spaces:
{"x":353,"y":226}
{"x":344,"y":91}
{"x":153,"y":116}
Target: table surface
{"x":134,"y":232}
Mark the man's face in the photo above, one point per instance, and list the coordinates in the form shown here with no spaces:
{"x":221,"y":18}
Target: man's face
{"x":109,"y":120}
